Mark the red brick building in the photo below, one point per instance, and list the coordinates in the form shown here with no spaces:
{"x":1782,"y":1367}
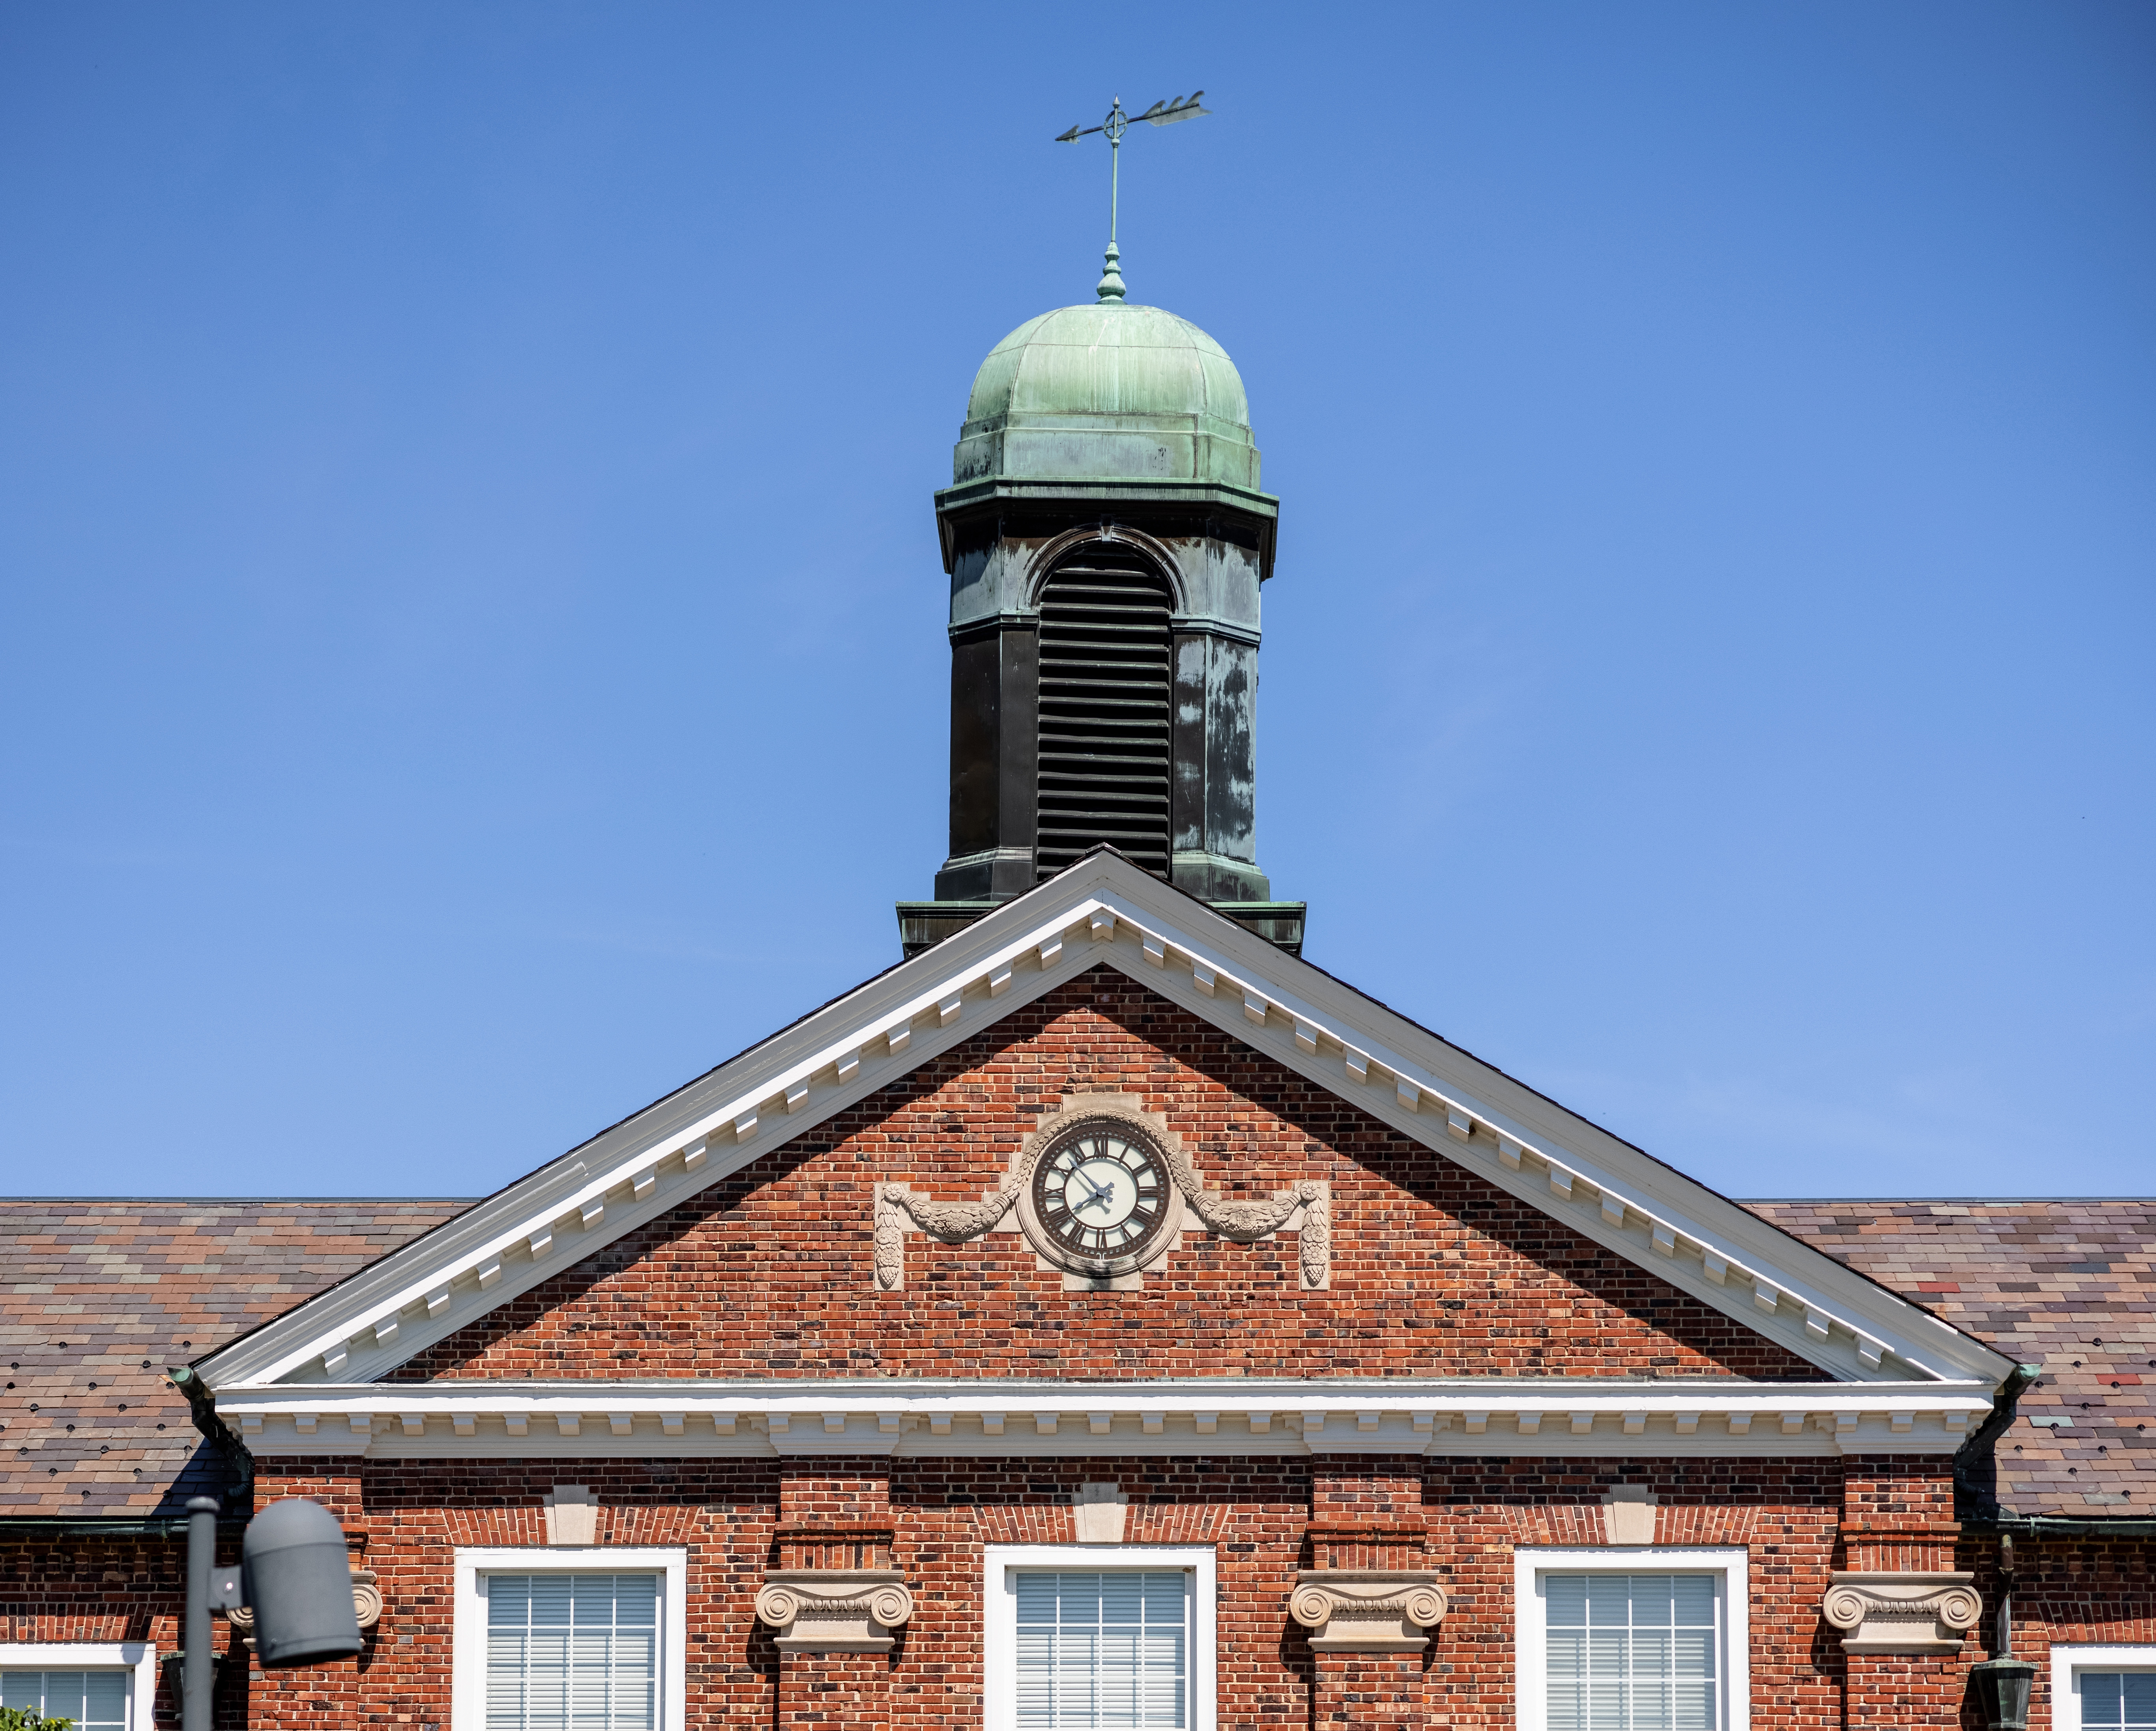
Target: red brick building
{"x":1106,"y":1317}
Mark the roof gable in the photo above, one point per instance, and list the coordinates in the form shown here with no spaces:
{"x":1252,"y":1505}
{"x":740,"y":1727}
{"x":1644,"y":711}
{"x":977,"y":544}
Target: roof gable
{"x":1105,"y":910}
{"x":1431,"y":1271}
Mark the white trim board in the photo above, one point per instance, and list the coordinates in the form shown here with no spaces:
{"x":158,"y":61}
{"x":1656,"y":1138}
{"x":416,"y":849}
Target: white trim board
{"x":2069,"y":1660}
{"x":999,"y":1627}
{"x":1607,"y":1417}
{"x":137,"y":1657}
{"x":1530,"y":1562}
{"x":468,"y":1650}
{"x":1105,"y":911}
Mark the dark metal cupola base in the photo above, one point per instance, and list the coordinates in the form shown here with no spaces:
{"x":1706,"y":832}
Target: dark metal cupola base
{"x":1105,"y":541}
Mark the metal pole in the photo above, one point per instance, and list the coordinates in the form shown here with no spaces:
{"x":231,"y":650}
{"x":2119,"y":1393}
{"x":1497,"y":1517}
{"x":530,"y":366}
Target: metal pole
{"x":1114,"y":183}
{"x":2006,"y":1596}
{"x":202,"y":1558}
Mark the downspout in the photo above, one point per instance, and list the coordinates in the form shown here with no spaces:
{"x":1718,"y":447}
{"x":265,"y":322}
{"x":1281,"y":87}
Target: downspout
{"x":238,"y":1464}
{"x":1979,"y":1509}
{"x":1973,"y":1502}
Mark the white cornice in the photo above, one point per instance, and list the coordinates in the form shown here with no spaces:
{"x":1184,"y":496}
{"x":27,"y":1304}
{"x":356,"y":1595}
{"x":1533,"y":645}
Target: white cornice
{"x":1104,"y":910}
{"x":1551,"y":1416}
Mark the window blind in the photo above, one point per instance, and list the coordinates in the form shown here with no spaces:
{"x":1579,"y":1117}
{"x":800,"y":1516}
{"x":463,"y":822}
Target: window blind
{"x":1633,"y":1652}
{"x":573,"y":1652}
{"x":1103,"y":1650}
{"x":95,"y":1700}
{"x":2118,"y":1700}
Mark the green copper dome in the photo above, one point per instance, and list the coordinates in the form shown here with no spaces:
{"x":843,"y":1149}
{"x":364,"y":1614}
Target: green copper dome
{"x":1109,"y":391}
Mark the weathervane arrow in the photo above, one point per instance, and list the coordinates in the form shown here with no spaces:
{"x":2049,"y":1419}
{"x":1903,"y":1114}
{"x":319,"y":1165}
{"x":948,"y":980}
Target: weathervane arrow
{"x":1164,"y":113}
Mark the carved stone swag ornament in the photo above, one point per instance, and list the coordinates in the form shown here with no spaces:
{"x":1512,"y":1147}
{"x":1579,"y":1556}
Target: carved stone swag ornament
{"x":1144,"y":1140}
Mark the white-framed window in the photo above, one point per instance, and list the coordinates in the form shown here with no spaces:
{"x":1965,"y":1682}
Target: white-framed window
{"x":1099,"y":1635}
{"x":2104,"y":1688}
{"x":1631,"y":1638}
{"x":102,"y":1685}
{"x":589,"y":1638}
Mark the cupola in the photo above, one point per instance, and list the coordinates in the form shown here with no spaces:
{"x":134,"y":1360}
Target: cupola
{"x":1106,"y":540}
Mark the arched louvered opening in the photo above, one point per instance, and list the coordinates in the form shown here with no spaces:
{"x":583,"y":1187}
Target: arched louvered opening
{"x":1105,"y":719}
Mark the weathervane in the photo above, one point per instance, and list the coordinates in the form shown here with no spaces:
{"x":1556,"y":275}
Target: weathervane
{"x":1161,"y":113}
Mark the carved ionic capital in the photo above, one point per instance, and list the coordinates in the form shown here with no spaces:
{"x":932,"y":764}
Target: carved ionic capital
{"x":1912,"y":1611}
{"x":835,"y":1611}
{"x":1368,"y":1610}
{"x":365,"y":1605}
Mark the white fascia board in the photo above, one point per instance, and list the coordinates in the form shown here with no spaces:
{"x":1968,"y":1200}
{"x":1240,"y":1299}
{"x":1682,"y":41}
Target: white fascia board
{"x":1824,"y":1312}
{"x":1107,"y":910}
{"x":690,"y":1139}
{"x":1599,"y":1417}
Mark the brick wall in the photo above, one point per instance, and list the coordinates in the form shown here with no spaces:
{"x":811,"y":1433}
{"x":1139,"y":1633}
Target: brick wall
{"x":1799,"y":1521}
{"x":1255,"y":1512}
{"x":1435,"y":1272}
{"x":2083,"y":1591}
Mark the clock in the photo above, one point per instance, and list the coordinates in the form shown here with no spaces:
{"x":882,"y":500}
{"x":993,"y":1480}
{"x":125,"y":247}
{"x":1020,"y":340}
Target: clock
{"x":1102,"y":1195}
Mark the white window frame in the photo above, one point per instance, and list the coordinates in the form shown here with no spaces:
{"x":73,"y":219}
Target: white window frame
{"x":139,"y":1657}
{"x":468,"y":1685}
{"x":999,"y":1615}
{"x":2068,"y":1662}
{"x":1530,"y":1629}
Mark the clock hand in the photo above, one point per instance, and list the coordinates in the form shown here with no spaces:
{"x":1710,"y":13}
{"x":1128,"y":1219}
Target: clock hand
{"x":1101,"y":1193}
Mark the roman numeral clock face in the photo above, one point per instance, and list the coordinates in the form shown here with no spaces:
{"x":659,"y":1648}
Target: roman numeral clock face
{"x":1101,"y":1193}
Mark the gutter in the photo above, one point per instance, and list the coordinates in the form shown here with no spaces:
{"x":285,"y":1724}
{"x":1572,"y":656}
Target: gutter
{"x":54,"y":1526}
{"x":1978,"y":1505}
{"x":2059,"y":1526}
{"x":202,"y":1408}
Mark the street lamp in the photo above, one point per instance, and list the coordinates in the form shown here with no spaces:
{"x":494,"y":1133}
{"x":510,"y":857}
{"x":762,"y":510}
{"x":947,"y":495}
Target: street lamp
{"x":292,"y":1571}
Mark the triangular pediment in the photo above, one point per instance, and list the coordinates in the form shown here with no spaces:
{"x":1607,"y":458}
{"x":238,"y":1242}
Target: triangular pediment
{"x":1104,"y":911}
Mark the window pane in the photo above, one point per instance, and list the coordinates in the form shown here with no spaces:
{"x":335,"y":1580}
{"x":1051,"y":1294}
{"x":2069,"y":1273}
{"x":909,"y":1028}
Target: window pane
{"x":2118,"y":1700}
{"x":1102,"y":1650}
{"x":1631,"y":1652}
{"x":95,"y":1700}
{"x":573,"y":1652}
{"x":103,"y":1699}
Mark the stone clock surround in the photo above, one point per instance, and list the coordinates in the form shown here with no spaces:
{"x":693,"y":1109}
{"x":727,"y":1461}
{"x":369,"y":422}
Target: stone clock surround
{"x":1304,"y":1209}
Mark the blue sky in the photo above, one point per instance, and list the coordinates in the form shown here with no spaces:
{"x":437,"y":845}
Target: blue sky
{"x":472,"y":628}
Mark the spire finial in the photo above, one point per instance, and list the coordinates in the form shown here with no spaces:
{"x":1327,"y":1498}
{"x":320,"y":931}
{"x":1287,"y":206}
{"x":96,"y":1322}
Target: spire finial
{"x":1110,"y":285}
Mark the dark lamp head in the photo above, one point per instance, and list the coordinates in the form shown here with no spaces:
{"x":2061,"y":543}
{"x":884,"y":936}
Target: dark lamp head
{"x":298,"y":1582}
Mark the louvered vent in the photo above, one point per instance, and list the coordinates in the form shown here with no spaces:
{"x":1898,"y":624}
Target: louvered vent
{"x":1105,"y":741}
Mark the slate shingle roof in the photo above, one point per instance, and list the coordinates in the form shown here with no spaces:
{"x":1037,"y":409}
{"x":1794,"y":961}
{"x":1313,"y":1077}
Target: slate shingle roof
{"x":2069,"y":1283}
{"x":98,"y":1298}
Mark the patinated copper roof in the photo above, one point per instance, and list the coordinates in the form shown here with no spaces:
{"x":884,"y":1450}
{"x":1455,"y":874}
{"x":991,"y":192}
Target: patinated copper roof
{"x":98,"y":1298}
{"x":2068,"y":1284}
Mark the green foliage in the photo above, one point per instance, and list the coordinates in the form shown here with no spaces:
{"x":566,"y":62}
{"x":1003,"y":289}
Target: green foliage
{"x":22,"y":1718}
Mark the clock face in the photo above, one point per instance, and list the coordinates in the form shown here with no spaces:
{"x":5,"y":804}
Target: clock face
{"x":1100,"y":1191}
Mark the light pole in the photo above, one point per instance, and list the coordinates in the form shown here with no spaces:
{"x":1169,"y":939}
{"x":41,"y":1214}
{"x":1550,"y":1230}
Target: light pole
{"x":292,"y":1572}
